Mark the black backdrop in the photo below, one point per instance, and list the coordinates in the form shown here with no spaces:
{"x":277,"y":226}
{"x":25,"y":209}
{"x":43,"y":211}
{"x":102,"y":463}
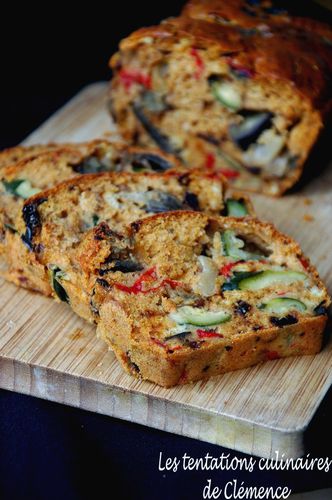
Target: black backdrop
{"x":48,"y":450}
{"x":48,"y":54}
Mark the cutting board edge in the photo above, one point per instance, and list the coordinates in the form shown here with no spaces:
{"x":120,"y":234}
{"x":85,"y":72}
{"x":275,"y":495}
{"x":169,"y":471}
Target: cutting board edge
{"x":98,"y":397}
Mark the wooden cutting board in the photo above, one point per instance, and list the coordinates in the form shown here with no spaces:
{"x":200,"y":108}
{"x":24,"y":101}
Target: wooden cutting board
{"x":46,"y":351}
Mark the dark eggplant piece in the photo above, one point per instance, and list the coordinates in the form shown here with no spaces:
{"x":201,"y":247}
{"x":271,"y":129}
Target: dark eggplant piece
{"x":242,"y":307}
{"x":320,"y":310}
{"x":163,"y":203}
{"x":94,"y":309}
{"x":254,"y":170}
{"x":32,"y":221}
{"x":191,"y":199}
{"x":103,"y":283}
{"x":160,"y":139}
{"x":56,"y":276}
{"x":179,"y":336}
{"x":149,"y":161}
{"x":95,"y":219}
{"x":248,"y":131}
{"x":286,"y":320}
{"x":194,"y":344}
{"x":124,"y":266}
{"x":209,"y":138}
{"x":133,"y":367}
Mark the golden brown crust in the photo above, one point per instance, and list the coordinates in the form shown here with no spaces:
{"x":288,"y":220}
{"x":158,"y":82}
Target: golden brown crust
{"x":296,"y":50}
{"x":177,"y":368}
{"x":273,"y":63}
{"x":12,"y":155}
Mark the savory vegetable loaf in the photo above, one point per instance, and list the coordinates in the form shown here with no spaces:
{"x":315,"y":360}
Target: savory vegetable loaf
{"x":50,"y":165}
{"x":178,"y":296}
{"x":27,"y":171}
{"x":194,"y":296}
{"x":47,"y":247}
{"x":235,"y":84}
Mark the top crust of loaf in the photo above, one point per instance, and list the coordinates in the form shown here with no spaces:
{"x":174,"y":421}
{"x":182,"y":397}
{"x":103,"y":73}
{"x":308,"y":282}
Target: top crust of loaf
{"x":16,"y":162}
{"x":13,"y":155}
{"x":267,"y":42}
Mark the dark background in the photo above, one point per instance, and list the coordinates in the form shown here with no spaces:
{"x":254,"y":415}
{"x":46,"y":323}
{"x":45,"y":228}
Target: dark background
{"x":49,"y":54}
{"x":48,"y":450}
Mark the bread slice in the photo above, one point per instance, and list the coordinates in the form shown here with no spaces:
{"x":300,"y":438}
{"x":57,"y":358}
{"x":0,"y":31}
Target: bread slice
{"x":242,"y":86}
{"x":47,"y":246}
{"x":212,"y":294}
{"x":181,"y":295}
{"x":40,"y":167}
{"x":58,"y":162}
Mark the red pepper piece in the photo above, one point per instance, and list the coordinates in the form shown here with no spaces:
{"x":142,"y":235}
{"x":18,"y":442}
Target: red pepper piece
{"x":229,"y":173}
{"x":171,"y":283}
{"x":129,"y":77}
{"x":227,"y":268}
{"x":175,"y":348}
{"x":166,"y":281}
{"x":215,"y":175}
{"x":304,"y":262}
{"x":148,"y":275}
{"x":271,"y":355}
{"x":210,"y":160}
{"x":165,"y":346}
{"x":198,"y":61}
{"x":206,"y":334}
{"x":158,"y":342}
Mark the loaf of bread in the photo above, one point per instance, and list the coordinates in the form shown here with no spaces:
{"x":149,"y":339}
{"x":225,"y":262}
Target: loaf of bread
{"x":47,"y":245}
{"x":209,"y":295}
{"x":25,"y":171}
{"x":50,"y":165}
{"x":179,"y":295}
{"x":235,"y":84}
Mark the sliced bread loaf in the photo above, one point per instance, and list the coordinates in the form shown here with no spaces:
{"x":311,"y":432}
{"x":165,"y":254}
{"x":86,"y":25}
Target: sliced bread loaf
{"x":48,"y":236}
{"x":209,"y":295}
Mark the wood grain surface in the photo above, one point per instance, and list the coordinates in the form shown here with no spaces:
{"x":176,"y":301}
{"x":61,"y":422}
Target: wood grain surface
{"x":48,"y":352}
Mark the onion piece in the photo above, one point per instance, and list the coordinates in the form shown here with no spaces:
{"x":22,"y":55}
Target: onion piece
{"x":265,"y":150}
{"x":206,"y":284}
